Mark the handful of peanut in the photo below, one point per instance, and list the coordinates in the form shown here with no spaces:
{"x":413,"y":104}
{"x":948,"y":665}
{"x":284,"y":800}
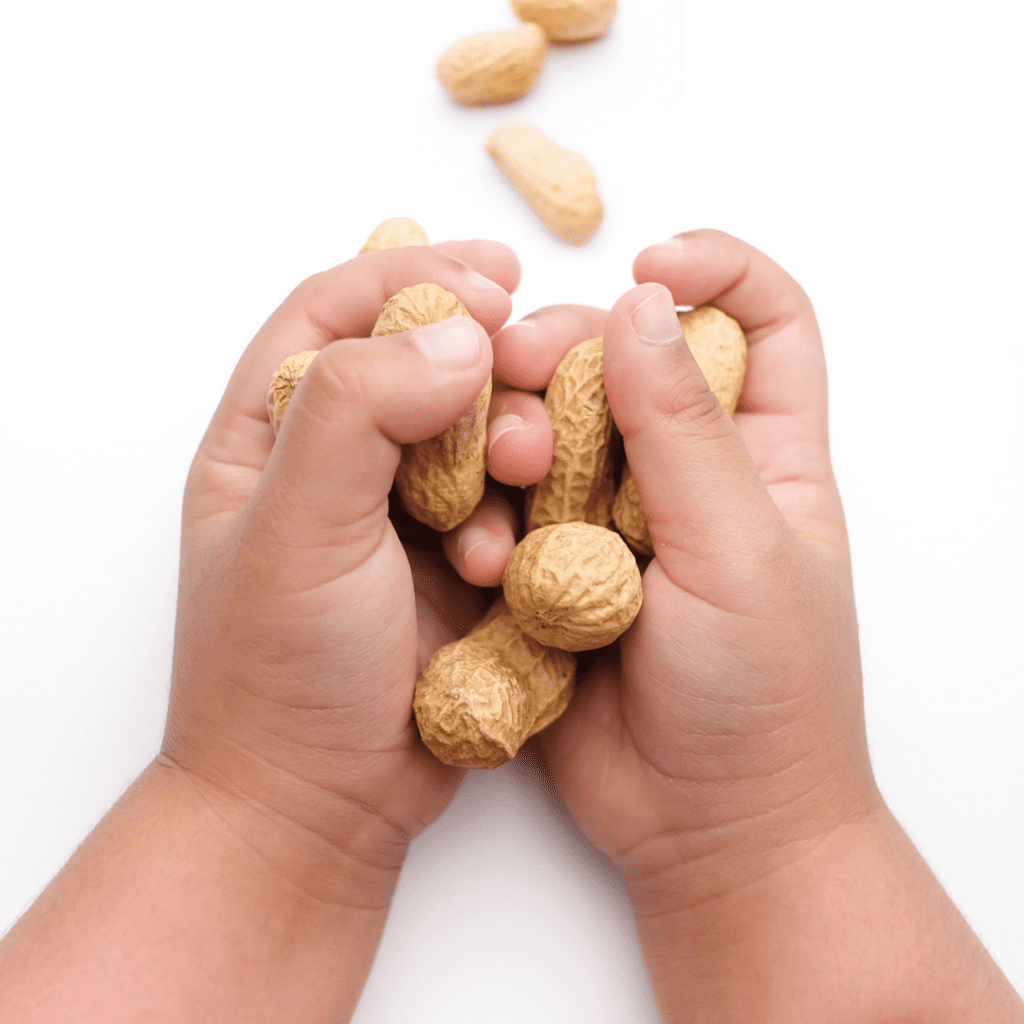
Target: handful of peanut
{"x":572,"y":583}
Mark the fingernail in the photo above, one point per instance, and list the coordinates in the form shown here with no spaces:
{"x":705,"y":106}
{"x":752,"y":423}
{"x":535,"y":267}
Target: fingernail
{"x":472,"y":537}
{"x":655,"y":321}
{"x":675,"y":242}
{"x":451,"y":344}
{"x":481,"y":283}
{"x":501,"y":425}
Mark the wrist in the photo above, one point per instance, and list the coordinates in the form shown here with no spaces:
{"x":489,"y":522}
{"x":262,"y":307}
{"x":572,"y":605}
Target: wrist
{"x":848,"y":925}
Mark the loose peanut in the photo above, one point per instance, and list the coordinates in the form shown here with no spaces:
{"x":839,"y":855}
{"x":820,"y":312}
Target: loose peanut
{"x":283,"y":384}
{"x":581,"y":483}
{"x":493,"y":67}
{"x":480,"y":698}
{"x":573,"y":585}
{"x":720,"y":349}
{"x":558,"y":184}
{"x":394,"y":233}
{"x":568,"y":20}
{"x":440,"y":480}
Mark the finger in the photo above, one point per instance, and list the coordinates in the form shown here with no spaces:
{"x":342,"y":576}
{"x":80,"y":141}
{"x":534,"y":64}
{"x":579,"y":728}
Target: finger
{"x":519,"y":439}
{"x":526,"y":353}
{"x":479,"y":548}
{"x":782,"y":414}
{"x":326,"y":483}
{"x":339,"y":303}
{"x":492,"y":259}
{"x":786,"y":363}
{"x":711,"y":520}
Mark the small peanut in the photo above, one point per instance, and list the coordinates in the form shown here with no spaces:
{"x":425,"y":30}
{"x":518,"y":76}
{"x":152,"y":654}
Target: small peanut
{"x":568,"y":21}
{"x":283,"y":384}
{"x":581,"y":483}
{"x":574,"y":586}
{"x":558,"y":184}
{"x":493,"y":67}
{"x":719,"y":346}
{"x":480,"y":698}
{"x":441,"y":479}
{"x":394,"y":233}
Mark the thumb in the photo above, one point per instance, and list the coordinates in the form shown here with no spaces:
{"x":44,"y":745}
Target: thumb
{"x":713,"y":524}
{"x":327,"y":480}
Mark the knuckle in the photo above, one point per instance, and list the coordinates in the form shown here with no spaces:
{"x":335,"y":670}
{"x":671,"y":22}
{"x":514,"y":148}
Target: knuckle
{"x":689,"y":403}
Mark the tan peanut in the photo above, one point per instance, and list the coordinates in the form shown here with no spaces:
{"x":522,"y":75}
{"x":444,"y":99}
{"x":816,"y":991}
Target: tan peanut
{"x":394,"y":233}
{"x":480,"y":698}
{"x":573,"y":585}
{"x":581,"y":483}
{"x":283,"y":384}
{"x":568,"y":21}
{"x":493,"y":67}
{"x":719,"y":347}
{"x":558,"y":184}
{"x":440,"y":480}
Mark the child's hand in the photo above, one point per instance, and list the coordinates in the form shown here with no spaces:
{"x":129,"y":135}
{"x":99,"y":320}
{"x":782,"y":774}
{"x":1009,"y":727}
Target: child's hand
{"x":733,"y":720}
{"x":303,"y":622}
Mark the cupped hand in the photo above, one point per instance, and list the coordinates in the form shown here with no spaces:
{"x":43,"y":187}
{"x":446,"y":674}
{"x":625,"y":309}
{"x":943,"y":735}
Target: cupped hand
{"x":728,"y":721}
{"x":303,"y":621}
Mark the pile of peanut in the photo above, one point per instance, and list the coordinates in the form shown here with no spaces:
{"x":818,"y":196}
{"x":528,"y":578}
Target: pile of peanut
{"x":504,"y":65}
{"x":573,"y":582}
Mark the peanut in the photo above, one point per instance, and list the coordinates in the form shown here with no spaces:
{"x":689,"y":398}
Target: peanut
{"x":574,"y":586}
{"x":480,"y":698}
{"x":441,"y":479}
{"x":568,"y":20}
{"x":493,"y":67}
{"x":283,"y":384}
{"x":394,"y":233}
{"x":558,"y":184}
{"x":580,"y":484}
{"x":720,"y":349}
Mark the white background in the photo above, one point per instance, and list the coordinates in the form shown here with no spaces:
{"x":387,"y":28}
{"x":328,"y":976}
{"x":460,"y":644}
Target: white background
{"x":168,"y":172}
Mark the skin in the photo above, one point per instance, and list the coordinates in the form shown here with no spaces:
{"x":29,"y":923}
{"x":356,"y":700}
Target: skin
{"x":717,"y":754}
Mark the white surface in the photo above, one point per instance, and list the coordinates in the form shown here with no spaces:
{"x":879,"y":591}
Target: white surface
{"x":169,"y":172}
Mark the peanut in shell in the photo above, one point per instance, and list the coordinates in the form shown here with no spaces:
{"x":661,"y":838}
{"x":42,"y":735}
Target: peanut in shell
{"x":441,"y":479}
{"x":394,"y":233}
{"x":480,"y":698}
{"x":493,"y":67}
{"x":283,"y":385}
{"x":581,"y":482}
{"x":575,"y":586}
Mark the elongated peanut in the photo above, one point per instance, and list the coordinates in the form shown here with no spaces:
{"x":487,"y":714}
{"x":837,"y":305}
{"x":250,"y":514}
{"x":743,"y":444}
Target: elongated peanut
{"x":573,"y":585}
{"x":568,"y":20}
{"x":283,"y":384}
{"x":558,"y":184}
{"x":440,"y":480}
{"x":394,"y":233}
{"x":480,"y":698}
{"x":581,"y":483}
{"x":493,"y":67}
{"x":719,"y":346}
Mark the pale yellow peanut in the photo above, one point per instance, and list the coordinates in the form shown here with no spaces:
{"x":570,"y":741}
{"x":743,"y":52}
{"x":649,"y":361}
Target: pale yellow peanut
{"x":581,"y":482}
{"x":568,"y":20}
{"x":493,"y":67}
{"x":559,"y":185}
{"x":480,"y":698}
{"x":283,"y":384}
{"x":394,"y":233}
{"x":441,"y":479}
{"x":573,"y":585}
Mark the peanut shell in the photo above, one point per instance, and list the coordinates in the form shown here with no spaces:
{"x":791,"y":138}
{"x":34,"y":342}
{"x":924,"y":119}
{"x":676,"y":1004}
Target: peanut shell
{"x":567,"y":21}
{"x":283,"y":384}
{"x":493,"y":67}
{"x":480,"y":698}
{"x":394,"y":233}
{"x":719,"y":346}
{"x":441,"y":479}
{"x":573,"y":585}
{"x":558,"y":184}
{"x":581,"y":481}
